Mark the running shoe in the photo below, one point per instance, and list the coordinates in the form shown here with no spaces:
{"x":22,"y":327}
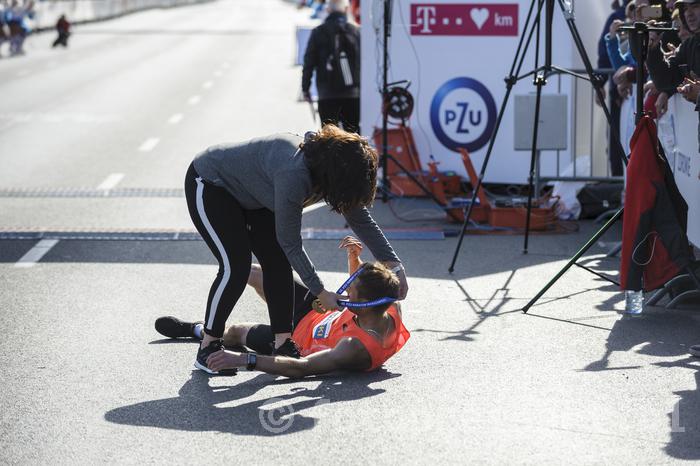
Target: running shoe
{"x":172,"y":327}
{"x":202,"y":355}
{"x":289,"y":348}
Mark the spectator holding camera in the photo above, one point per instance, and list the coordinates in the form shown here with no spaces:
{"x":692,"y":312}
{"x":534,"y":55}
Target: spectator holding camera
{"x":673,"y":67}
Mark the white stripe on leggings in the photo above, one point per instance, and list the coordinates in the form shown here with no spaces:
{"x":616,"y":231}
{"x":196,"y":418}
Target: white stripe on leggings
{"x":219,"y":246}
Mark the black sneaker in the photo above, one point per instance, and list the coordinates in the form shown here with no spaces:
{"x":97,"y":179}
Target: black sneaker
{"x":172,"y":327}
{"x":202,"y":355}
{"x":289,"y":348}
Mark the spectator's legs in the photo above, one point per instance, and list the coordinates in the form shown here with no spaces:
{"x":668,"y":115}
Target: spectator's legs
{"x":350,"y":114}
{"x":616,"y":166}
{"x":329,"y":110}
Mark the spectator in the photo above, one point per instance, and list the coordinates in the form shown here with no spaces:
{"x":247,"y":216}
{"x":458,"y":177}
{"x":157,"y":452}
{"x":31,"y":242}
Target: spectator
{"x":616,"y":168}
{"x":671,"y":68}
{"x":333,"y":53}
{"x":3,"y":34}
{"x":63,"y":30}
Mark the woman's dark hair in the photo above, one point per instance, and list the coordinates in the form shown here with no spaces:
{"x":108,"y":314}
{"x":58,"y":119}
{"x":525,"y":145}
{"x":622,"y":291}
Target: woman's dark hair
{"x":343,"y":168}
{"x":377,"y":281}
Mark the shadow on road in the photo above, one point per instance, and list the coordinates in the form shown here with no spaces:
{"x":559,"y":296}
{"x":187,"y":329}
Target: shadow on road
{"x":663,"y":333}
{"x":684,"y":419}
{"x":198,"y":406}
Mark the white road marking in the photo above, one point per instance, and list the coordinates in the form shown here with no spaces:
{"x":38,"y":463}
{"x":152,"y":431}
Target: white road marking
{"x":35,"y":254}
{"x":149,"y":144}
{"x":111,"y":181}
{"x":194,"y":100}
{"x":175,"y":119}
{"x":226,"y":64}
{"x":218,"y":74}
{"x":207,"y":84}
{"x":313,"y":207}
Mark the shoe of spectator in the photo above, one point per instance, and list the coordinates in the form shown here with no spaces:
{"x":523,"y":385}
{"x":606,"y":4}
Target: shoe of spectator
{"x":202,"y":355}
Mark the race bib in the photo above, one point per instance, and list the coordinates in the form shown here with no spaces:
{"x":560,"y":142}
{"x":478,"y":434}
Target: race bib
{"x":323,"y":328}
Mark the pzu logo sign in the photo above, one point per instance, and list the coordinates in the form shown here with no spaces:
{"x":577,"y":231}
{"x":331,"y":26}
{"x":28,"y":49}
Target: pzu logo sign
{"x":463,"y":114}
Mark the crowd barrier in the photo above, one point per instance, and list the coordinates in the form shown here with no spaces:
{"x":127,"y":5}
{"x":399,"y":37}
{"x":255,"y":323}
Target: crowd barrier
{"x":47,"y":12}
{"x":678,"y":133}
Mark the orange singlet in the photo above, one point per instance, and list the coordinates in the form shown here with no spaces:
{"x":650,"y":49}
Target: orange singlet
{"x":317,"y":332}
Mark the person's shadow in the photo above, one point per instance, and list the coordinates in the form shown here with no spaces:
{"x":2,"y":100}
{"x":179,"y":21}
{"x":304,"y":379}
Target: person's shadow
{"x":684,"y":419}
{"x":196,"y":408}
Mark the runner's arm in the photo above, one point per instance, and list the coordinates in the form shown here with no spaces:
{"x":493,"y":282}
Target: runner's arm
{"x":348,"y":354}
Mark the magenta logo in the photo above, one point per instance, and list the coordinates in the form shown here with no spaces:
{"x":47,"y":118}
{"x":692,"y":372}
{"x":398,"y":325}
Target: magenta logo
{"x":464,"y":19}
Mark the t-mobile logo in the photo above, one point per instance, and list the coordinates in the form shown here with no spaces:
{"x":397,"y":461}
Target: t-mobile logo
{"x":426,"y":18}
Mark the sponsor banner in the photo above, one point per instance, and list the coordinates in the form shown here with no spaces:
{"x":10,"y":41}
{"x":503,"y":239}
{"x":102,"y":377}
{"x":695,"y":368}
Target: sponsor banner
{"x":464,"y":19}
{"x":456,"y":56}
{"x":678,"y":132}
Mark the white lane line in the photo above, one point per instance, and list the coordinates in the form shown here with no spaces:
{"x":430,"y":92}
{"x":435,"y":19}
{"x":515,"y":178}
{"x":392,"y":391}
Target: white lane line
{"x":149,"y":144}
{"x":194,"y":100}
{"x":313,"y":207}
{"x":35,"y":254}
{"x":207,"y":84}
{"x":175,"y":119}
{"x":111,"y":181}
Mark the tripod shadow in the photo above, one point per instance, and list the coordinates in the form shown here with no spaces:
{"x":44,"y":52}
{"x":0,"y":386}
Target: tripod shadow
{"x":480,"y":309}
{"x":197,"y":406}
{"x":684,"y":420}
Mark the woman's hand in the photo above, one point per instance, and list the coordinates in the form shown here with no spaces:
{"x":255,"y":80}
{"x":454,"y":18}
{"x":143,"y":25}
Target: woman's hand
{"x":401,"y":273}
{"x":226,"y":360}
{"x":329,"y":300}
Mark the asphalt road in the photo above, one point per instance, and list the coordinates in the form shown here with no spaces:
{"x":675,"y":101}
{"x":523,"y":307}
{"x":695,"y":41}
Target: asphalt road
{"x":85,"y":378}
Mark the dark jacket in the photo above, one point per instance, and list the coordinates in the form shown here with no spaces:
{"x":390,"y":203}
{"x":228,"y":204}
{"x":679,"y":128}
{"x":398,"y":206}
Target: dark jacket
{"x":319,"y":49}
{"x":669,"y":76}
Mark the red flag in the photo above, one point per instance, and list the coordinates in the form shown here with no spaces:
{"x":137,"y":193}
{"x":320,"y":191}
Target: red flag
{"x":655,"y":247}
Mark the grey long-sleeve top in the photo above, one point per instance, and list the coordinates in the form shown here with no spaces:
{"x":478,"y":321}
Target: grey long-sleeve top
{"x":270,"y":172}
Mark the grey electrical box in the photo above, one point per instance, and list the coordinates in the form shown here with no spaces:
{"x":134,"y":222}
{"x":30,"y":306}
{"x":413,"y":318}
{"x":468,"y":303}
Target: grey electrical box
{"x":552,"y":133}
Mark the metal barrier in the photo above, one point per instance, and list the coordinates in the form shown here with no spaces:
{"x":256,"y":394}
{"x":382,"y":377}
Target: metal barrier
{"x":589,"y":134}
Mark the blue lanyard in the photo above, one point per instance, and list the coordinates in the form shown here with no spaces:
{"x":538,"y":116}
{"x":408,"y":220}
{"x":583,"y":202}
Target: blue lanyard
{"x":356,"y":304}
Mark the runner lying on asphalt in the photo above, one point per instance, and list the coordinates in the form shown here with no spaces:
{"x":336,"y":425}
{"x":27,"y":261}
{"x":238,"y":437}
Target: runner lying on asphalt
{"x":361,"y":339}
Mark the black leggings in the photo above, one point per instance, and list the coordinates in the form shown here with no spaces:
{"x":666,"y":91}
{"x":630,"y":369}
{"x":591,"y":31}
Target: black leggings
{"x":232,"y":233}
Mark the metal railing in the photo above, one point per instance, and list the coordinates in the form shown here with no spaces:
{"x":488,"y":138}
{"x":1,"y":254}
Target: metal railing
{"x":589,"y":133}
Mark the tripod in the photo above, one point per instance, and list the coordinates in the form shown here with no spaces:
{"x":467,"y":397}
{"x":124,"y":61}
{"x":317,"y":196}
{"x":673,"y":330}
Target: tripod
{"x":540,"y":74}
{"x":385,"y":155}
{"x":639,"y":39}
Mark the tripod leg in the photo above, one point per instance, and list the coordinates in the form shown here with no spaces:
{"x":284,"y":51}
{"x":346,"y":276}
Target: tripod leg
{"x":573,"y":260}
{"x":510,"y":82}
{"x":539,"y":82}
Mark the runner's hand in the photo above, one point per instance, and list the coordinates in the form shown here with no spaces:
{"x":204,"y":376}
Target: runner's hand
{"x":225,"y":360}
{"x":352,"y":246}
